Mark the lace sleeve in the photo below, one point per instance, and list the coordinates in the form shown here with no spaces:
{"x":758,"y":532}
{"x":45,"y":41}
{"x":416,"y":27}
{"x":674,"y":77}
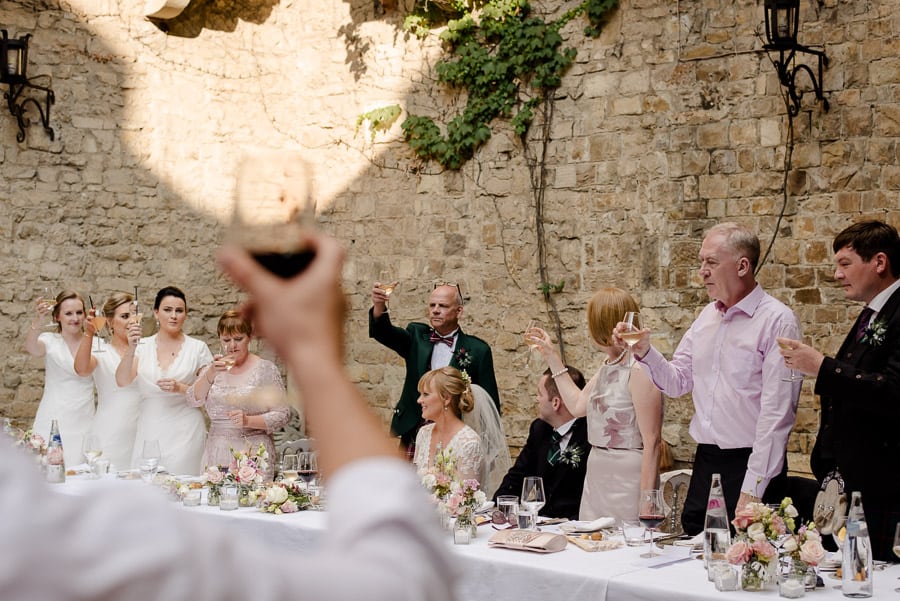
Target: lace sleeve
{"x":276,"y":417}
{"x":190,"y":397}
{"x":468,"y":453}
{"x":423,"y":445}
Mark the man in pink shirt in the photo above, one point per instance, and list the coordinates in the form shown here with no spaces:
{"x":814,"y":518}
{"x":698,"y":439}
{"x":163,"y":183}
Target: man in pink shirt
{"x":744,"y":400}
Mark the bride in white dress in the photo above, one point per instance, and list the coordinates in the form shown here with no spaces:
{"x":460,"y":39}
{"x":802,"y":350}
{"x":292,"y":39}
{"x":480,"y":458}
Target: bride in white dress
{"x":479,"y":450}
{"x":118,"y":407}
{"x":164,"y":365}
{"x":68,"y":397}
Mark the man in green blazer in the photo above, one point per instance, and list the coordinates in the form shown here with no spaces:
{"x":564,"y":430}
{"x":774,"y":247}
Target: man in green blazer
{"x":426,"y":347}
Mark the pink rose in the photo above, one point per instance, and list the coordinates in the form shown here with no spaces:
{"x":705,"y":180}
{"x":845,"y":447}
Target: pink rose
{"x":738,"y":553}
{"x":764,"y":550}
{"x":453,"y":503}
{"x":812,"y":552}
{"x":246,"y":474}
{"x":778,"y":525}
{"x":214,"y":475}
{"x":36,"y":441}
{"x":289,"y":507}
{"x":743,"y":518}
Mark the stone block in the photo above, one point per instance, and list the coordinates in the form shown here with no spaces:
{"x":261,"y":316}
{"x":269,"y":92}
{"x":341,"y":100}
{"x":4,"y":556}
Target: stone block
{"x":713,"y":135}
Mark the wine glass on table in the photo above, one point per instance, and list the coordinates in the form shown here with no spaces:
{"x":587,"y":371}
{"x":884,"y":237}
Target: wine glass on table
{"x":307,"y":467}
{"x":650,"y":514}
{"x":533,"y":497}
{"x":150,"y":457}
{"x":90,"y":448}
{"x":896,"y":547}
{"x":273,"y":204}
{"x":289,"y":469}
{"x":633,"y":330}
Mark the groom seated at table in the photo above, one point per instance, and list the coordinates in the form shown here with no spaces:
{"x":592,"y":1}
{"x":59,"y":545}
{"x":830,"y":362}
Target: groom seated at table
{"x":556,"y":450}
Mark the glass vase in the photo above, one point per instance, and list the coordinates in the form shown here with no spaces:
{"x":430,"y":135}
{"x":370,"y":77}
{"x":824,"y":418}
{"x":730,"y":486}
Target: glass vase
{"x":755,"y":576}
{"x":466,"y":520}
{"x":244,"y":495}
{"x":806,"y":572}
{"x":212,"y":499}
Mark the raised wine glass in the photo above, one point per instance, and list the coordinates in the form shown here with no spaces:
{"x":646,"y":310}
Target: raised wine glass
{"x":49,"y":301}
{"x":533,"y":347}
{"x":90,"y":447}
{"x":650,"y":513}
{"x":273,"y":204}
{"x":896,"y":547}
{"x":633,"y":328}
{"x":533,"y":497}
{"x":787,"y":334}
{"x":387,"y":282}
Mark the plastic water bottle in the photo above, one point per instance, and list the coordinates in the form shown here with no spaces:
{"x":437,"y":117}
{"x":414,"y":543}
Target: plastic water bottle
{"x":716,"y":533}
{"x":56,"y":463}
{"x":856,"y":571}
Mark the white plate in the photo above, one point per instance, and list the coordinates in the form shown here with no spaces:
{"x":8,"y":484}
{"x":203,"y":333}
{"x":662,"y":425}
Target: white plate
{"x":575,"y":527}
{"x":487,"y":506}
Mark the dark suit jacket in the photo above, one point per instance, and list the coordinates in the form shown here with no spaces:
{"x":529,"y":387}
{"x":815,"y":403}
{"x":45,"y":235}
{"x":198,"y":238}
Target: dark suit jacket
{"x":859,"y":433}
{"x":562,"y":482}
{"x":471,"y":354}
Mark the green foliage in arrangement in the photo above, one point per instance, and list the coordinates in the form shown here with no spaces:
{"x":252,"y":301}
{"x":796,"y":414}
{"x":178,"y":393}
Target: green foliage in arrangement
{"x":506,"y":60}
{"x":380,"y":119}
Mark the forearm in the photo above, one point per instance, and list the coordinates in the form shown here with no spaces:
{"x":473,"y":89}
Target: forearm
{"x":127,"y":369}
{"x":198,"y":392}
{"x":574,"y":398}
{"x":84,"y":361}
{"x":33,"y":346}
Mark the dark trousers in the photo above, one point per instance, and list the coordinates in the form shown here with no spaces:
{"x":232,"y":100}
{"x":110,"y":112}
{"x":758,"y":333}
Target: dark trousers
{"x":731,"y":464}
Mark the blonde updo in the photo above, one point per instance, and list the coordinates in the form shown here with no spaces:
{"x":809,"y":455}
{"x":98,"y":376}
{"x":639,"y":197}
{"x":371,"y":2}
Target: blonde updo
{"x":115,"y":301}
{"x":451,"y":385}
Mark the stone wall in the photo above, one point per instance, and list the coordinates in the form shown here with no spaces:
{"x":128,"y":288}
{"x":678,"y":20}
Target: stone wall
{"x":669,"y":122}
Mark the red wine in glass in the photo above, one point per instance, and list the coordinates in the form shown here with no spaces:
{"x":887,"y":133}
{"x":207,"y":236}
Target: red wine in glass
{"x":651,"y":522}
{"x":307,"y":475}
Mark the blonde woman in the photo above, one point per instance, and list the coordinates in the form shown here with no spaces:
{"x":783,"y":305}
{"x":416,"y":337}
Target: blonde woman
{"x":624,"y":413}
{"x":68,"y":397}
{"x":115,"y":422}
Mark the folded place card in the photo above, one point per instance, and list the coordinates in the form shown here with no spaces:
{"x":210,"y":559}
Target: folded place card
{"x":528,"y":540}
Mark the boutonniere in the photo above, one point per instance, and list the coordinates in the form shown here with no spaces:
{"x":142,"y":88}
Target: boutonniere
{"x":463,"y":358}
{"x":874,"y":334}
{"x":571,"y":455}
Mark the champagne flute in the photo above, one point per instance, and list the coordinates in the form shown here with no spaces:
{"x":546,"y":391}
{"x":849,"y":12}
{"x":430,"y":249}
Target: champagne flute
{"x":650,"y":513}
{"x":387,"y":282}
{"x":289,"y":471}
{"x":90,"y":447}
{"x":530,"y":342}
{"x":794,"y":377}
{"x":228,"y":357}
{"x":533,"y":498}
{"x":99,"y":322}
{"x":136,"y":315}
{"x":272,"y":205}
{"x":633,"y":328}
{"x":307,"y":466}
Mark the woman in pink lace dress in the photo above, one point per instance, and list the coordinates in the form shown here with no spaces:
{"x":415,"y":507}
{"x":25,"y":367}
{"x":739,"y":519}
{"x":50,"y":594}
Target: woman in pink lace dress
{"x":243,"y":395}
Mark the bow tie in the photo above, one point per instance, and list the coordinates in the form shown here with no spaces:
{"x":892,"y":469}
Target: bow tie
{"x":435,"y":337}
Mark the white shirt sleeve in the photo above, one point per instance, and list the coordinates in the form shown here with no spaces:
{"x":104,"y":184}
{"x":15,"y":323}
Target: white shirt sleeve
{"x":383,"y":544}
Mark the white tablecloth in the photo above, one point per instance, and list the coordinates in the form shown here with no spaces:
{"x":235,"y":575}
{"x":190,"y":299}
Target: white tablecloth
{"x":503,"y":575}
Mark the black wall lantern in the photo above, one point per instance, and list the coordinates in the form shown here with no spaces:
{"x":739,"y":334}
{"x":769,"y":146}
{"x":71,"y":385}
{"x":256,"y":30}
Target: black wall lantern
{"x":782,"y":24}
{"x":13,"y":65}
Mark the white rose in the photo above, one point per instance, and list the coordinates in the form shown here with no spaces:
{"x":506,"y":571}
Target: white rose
{"x":429,"y":480}
{"x":276,"y":494}
{"x":790,"y":545}
{"x":791,"y":511}
{"x":480,"y":497}
{"x":756,"y":532}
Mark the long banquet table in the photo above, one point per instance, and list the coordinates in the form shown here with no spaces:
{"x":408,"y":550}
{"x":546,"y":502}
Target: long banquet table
{"x":489,"y":574}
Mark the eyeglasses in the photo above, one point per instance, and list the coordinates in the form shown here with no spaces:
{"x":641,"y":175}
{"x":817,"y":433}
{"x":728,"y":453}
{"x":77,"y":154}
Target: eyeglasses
{"x":453,"y":284}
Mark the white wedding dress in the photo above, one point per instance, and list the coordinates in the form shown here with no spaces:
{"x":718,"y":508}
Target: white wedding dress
{"x":464,"y":448}
{"x":115,"y":422}
{"x":166,"y":416}
{"x":68,"y":398}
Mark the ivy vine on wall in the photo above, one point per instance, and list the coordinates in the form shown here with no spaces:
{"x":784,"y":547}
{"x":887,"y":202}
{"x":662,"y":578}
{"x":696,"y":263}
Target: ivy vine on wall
{"x":505,"y":59}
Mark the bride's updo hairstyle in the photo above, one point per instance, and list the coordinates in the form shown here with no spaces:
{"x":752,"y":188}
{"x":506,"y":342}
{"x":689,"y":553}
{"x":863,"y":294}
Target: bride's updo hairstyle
{"x":451,"y":385}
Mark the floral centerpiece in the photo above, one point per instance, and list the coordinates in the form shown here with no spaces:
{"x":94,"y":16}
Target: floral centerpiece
{"x":452,"y":496}
{"x":805,"y":551}
{"x":247,"y":470}
{"x":35,"y":444}
{"x":284,"y":497}
{"x":759,"y":528}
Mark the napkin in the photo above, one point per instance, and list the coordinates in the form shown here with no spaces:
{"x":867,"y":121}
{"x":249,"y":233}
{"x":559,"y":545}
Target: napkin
{"x":528,"y":540}
{"x":694,"y":543}
{"x":592,"y":526}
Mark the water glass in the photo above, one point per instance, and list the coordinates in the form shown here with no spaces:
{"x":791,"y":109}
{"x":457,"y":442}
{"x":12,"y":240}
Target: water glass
{"x":527,"y":520}
{"x":725,"y":575}
{"x":792,"y":586}
{"x":100,"y":467}
{"x":508,"y":505}
{"x":230,"y":498}
{"x":192,"y":497}
{"x":633,"y":533}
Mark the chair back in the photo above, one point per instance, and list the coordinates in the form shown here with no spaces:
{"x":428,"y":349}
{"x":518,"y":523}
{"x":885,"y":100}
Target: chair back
{"x":674,"y":485}
{"x":296,"y":446}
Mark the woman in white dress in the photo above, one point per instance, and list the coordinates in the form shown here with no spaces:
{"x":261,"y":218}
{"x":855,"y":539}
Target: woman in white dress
{"x":164,"y":365}
{"x":624,"y":414}
{"x":68,"y":397}
{"x":444,"y":396}
{"x":115,"y":422}
{"x":243,"y":395}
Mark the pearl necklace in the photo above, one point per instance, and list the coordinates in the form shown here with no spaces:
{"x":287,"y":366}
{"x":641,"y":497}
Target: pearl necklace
{"x":617,"y":359}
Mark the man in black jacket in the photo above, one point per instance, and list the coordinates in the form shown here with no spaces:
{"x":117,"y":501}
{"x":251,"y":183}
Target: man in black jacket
{"x":561,"y":464}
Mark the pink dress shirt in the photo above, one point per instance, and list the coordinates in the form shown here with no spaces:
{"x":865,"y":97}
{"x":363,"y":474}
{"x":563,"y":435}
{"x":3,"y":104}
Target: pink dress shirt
{"x":739,"y":397}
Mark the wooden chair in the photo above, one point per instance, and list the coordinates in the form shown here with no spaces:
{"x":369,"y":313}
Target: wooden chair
{"x":296,"y":446}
